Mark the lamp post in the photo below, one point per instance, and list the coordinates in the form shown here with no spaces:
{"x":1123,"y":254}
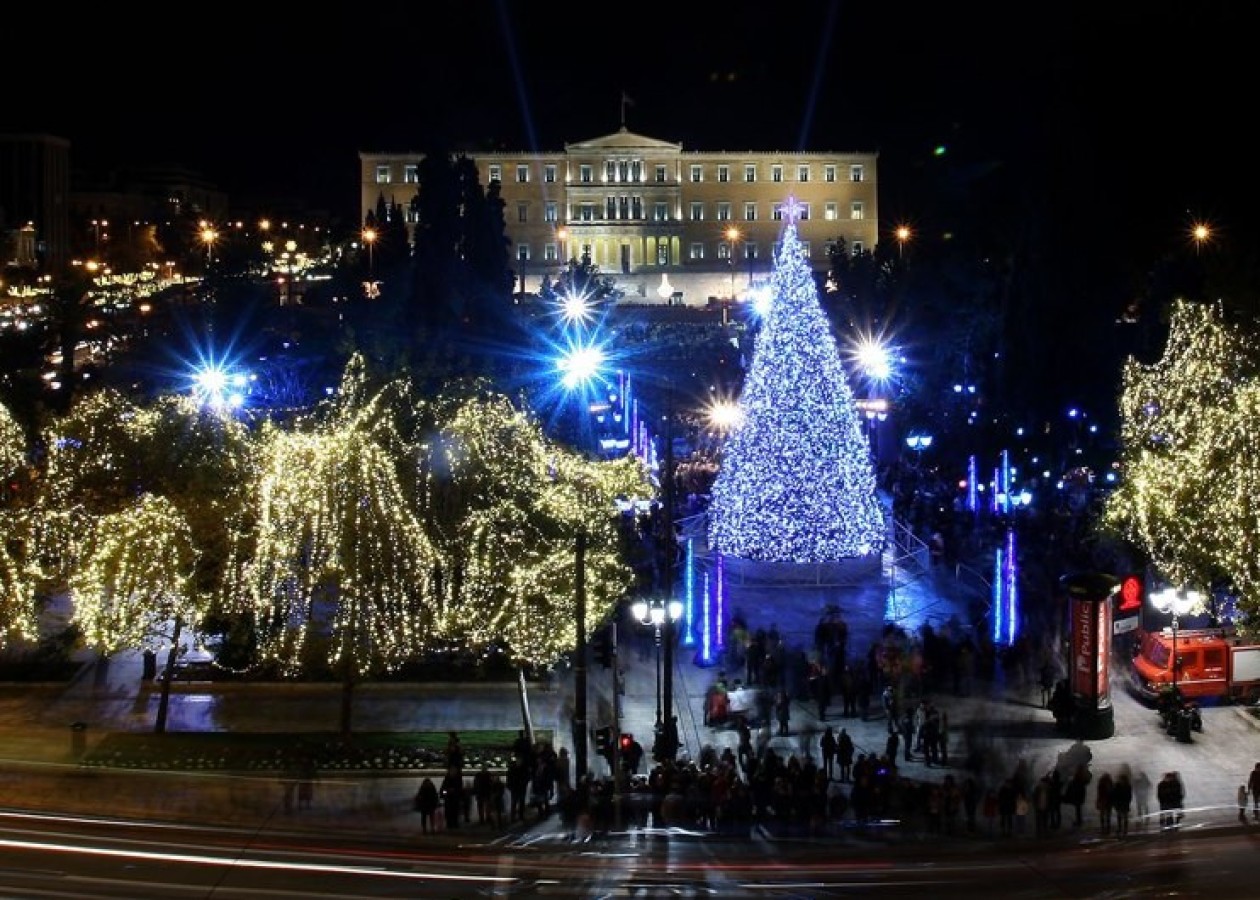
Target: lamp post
{"x":1177,"y":602}
{"x":660,"y":614}
{"x":369,"y":238}
{"x":903,"y":234}
{"x":732,"y":237}
{"x":208,"y":237}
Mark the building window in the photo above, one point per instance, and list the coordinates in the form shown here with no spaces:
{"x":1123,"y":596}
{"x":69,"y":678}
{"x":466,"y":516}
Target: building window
{"x":522,"y":174}
{"x":411,"y":175}
{"x":723,"y":212}
{"x":724,"y":250}
{"x":586,"y":212}
{"x":802,"y":174}
{"x":522,"y":252}
{"x":750,"y":212}
{"x":697,"y":212}
{"x":857,"y":210}
{"x":750,"y":251}
{"x":660,"y":212}
{"x":586,"y":174}
{"x":549,"y":174}
{"x":522,"y":212}
{"x":551,"y":253}
{"x":496,"y":173}
{"x":636,"y":208}
{"x":724,"y":174}
{"x":856,"y":174}
{"x":805,"y":249}
{"x":382,"y":174}
{"x":551,"y":212}
{"x":610,"y":207}
{"x":829,"y":174}
{"x":662,"y":253}
{"x":697,"y":173}
{"x":776,"y":174}
{"x":857,"y":247}
{"x":696,"y":251}
{"x":750,"y":173}
{"x":660,"y":174}
{"x":831,"y":212}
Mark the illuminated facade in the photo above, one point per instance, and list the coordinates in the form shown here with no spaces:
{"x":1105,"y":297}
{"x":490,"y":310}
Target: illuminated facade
{"x":671,"y":225}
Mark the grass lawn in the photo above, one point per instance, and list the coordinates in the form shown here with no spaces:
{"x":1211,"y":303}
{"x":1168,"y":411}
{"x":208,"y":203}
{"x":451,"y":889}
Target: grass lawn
{"x":369,"y":752}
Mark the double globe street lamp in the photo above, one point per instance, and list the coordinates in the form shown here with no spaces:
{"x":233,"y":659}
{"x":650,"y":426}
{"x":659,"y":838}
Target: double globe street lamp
{"x":1177,"y":602}
{"x":661,"y":615}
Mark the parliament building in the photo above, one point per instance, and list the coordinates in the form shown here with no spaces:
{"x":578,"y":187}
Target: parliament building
{"x":670,"y":225}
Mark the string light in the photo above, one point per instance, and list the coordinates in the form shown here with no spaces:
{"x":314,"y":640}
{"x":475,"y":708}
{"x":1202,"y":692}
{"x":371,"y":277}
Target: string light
{"x":796,"y":482}
{"x":1190,"y":432}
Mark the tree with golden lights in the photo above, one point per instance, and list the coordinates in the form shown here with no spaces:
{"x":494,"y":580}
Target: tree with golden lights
{"x":1190,"y":429}
{"x":17,"y":582}
{"x":133,"y":585}
{"x":505,"y":507}
{"x":113,"y":469}
{"x":341,"y":566}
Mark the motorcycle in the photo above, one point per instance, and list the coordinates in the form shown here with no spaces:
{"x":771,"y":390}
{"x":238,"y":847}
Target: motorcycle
{"x":1179,"y":716}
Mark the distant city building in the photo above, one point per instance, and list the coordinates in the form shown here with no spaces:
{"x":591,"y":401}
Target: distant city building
{"x":34,"y":200}
{"x":669,"y":225}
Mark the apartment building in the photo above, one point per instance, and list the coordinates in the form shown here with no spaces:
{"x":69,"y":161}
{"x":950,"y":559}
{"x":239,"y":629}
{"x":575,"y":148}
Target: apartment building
{"x":670,"y":225}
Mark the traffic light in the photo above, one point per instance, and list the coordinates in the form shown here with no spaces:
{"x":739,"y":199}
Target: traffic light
{"x":603,"y":738}
{"x":1132,"y":594}
{"x":627,"y":741}
{"x":603,"y":648}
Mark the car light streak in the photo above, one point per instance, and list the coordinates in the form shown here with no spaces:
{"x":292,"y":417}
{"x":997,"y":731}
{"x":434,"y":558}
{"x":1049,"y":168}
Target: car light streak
{"x":238,"y":863}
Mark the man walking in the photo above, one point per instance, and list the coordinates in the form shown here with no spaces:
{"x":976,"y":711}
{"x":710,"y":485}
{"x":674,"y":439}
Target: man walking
{"x":1253,"y":788}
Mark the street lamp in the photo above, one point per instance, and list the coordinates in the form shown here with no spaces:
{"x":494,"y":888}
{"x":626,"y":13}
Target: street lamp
{"x":732,"y":237}
{"x":1200,"y":233}
{"x":1177,"y":602}
{"x":208,"y":237}
{"x":903,"y":234}
{"x":660,"y":615}
{"x":369,"y":238}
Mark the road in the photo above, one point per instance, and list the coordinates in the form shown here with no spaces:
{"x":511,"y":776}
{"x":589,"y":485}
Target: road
{"x":59,"y":857}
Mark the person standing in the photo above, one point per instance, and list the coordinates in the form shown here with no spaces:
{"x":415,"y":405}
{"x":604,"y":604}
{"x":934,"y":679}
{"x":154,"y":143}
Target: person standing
{"x":481,"y":793}
{"x":783,"y":709}
{"x":828,"y":746}
{"x":1242,"y":804}
{"x":1102,"y":802}
{"x":844,"y":754}
{"x":452,"y":793}
{"x":1171,"y":795}
{"x":426,"y":804}
{"x":1121,"y":801}
{"x":518,"y":779}
{"x":1253,"y":787}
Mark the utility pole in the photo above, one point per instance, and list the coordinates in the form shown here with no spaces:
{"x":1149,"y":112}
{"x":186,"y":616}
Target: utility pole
{"x":616,"y":730}
{"x":667,"y":685}
{"x":579,"y":668}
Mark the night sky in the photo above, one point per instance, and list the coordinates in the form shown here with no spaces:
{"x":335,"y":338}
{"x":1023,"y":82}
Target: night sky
{"x":1120,"y":122}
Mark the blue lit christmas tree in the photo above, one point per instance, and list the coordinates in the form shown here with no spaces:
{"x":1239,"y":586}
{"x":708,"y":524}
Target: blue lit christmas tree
{"x":796,"y":483}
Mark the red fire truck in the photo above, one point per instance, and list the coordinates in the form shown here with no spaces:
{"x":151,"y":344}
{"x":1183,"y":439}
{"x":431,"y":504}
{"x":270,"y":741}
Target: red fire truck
{"x":1215,"y":664}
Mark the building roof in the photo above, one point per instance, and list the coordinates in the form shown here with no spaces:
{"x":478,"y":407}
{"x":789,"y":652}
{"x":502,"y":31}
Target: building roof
{"x":622,"y":140}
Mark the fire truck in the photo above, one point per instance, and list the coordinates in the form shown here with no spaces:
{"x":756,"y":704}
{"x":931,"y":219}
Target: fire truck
{"x":1214,"y":665}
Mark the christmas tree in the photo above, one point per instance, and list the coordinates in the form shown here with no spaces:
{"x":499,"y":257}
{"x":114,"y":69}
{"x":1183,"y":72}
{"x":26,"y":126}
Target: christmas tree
{"x":796,"y":482}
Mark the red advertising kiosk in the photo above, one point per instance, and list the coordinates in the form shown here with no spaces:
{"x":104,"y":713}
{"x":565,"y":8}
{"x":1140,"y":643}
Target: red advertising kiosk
{"x":1089,"y":598}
